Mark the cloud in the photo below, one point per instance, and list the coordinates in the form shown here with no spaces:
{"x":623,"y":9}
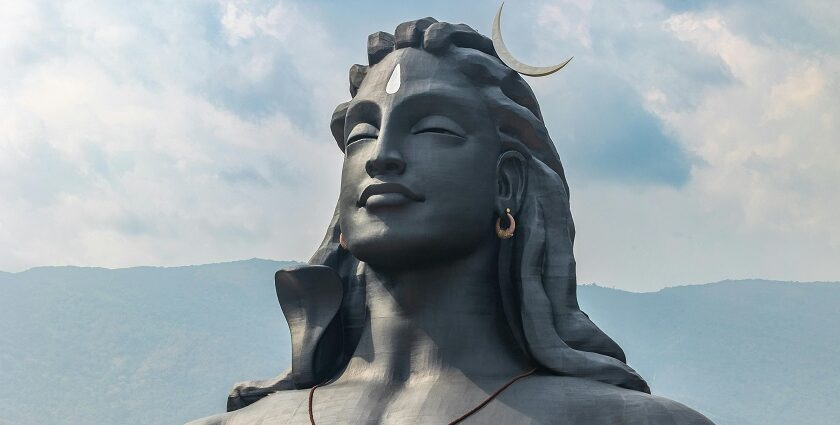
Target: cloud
{"x":700,"y":138}
{"x":604,"y":132}
{"x":150,"y":135}
{"x":279,"y":57}
{"x":600,"y":120}
{"x":736,"y":111}
{"x":774,"y":132}
{"x":794,"y":24}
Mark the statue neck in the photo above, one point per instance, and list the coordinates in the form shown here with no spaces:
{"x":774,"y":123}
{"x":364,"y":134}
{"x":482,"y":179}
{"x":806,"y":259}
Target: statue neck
{"x":435,"y":322}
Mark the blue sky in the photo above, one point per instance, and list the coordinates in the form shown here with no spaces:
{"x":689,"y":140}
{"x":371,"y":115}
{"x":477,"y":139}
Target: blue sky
{"x":701,"y":138}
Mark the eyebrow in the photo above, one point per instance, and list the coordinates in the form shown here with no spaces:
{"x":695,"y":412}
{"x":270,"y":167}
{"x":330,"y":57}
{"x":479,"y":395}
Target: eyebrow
{"x":436,"y":95}
{"x":367,"y":111}
{"x":362,"y":111}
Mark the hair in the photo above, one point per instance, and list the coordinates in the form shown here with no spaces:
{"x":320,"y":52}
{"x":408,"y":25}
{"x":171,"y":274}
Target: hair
{"x":536,"y":267}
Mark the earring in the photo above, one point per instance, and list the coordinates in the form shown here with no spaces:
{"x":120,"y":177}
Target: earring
{"x":342,"y":241}
{"x":505,"y":233}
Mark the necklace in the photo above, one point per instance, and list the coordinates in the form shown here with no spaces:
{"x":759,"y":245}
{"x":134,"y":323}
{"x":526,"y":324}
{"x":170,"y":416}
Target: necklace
{"x":460,"y":418}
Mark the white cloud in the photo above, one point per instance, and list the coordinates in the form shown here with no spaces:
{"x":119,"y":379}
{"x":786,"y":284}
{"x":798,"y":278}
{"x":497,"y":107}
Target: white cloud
{"x":238,"y":25}
{"x":761,"y":117}
{"x":190,"y":132}
{"x":770,"y":139}
{"x":113,"y":154}
{"x":568,"y":19}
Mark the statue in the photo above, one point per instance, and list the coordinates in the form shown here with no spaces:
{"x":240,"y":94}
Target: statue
{"x":445,"y":290}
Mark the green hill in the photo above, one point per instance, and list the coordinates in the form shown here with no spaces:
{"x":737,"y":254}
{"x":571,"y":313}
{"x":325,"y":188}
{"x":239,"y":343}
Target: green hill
{"x":143,"y":345}
{"x":741,"y":352}
{"x":151,"y":345}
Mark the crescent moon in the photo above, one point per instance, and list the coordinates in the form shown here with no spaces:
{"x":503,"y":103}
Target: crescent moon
{"x":510,"y":61}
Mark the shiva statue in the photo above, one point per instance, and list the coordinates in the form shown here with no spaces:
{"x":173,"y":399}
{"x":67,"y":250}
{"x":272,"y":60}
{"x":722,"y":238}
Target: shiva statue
{"x":445,"y":288}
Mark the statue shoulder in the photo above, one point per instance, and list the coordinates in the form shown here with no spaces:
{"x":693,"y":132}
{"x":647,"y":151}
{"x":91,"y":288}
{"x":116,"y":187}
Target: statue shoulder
{"x":281,"y":406}
{"x":569,"y":400}
{"x":643,"y":408}
{"x":210,"y":420}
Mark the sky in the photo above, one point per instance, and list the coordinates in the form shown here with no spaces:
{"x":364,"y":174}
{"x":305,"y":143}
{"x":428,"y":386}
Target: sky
{"x":700,"y":138}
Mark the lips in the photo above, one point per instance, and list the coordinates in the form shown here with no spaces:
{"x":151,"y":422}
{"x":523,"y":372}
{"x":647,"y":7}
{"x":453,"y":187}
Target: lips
{"x":388,"y":189}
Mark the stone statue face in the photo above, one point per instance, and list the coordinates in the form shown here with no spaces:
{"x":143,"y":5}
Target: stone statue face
{"x":418,"y":184}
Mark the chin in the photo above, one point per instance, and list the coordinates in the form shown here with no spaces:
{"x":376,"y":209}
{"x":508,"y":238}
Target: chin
{"x":408,"y":250}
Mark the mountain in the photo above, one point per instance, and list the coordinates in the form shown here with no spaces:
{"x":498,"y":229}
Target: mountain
{"x":152,"y":345}
{"x":741,"y":352}
{"x":145,"y":345}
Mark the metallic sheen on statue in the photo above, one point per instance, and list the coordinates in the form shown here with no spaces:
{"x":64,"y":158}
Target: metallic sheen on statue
{"x":413,"y":310}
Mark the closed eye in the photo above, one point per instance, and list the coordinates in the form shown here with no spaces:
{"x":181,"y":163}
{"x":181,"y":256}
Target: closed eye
{"x":362,"y":131}
{"x":438,"y":124}
{"x":437,"y":130}
{"x":359,"y":137}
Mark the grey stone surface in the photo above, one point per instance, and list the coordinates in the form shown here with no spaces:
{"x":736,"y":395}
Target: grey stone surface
{"x":427,"y":312}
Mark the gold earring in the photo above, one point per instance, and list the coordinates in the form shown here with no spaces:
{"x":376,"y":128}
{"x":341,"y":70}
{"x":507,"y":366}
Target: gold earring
{"x":342,"y":241}
{"x":505,"y":233}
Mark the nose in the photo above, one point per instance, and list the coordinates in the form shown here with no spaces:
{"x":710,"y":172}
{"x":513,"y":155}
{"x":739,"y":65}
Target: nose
{"x":386,"y":160}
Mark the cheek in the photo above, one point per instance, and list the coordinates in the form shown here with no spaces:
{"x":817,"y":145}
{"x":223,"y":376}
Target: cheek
{"x":464,"y":173}
{"x":352,"y":175}
{"x":354,"y":163}
{"x":462,"y":191}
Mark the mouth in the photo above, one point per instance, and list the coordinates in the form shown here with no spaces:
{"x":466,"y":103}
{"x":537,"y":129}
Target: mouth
{"x":382,"y":194}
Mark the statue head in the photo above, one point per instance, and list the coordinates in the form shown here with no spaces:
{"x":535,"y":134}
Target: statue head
{"x":440,"y":138}
{"x":433,"y":142}
{"x":420,"y":168}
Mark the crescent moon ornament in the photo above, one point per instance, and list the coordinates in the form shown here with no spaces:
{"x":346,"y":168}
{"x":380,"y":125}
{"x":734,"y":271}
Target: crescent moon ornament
{"x":510,"y":61}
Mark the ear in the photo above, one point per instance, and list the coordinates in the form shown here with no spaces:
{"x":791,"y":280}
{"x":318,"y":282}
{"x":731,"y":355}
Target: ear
{"x":511,"y":179}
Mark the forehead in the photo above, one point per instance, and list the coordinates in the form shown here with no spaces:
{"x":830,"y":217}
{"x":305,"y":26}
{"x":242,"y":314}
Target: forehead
{"x":419,"y":73}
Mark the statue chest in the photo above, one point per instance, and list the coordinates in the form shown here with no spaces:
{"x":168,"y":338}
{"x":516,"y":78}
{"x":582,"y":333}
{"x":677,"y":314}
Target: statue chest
{"x":428,"y":403}
{"x":537,"y":400}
